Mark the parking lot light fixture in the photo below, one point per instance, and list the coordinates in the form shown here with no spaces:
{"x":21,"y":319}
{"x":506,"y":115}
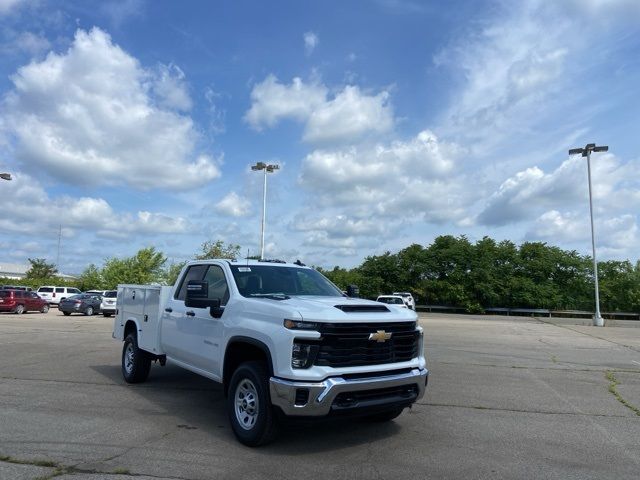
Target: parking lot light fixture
{"x":5,"y":176}
{"x":267,"y":168}
{"x":586,"y":152}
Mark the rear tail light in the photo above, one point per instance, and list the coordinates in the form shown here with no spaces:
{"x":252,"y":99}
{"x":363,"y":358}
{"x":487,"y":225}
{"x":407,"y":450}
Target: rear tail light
{"x":77,"y":302}
{"x":54,"y":295}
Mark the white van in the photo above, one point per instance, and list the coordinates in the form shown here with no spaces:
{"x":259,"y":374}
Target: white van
{"x":53,"y":294}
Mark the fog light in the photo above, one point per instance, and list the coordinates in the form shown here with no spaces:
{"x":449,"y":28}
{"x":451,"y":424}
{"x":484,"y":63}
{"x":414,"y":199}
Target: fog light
{"x":301,"y":355}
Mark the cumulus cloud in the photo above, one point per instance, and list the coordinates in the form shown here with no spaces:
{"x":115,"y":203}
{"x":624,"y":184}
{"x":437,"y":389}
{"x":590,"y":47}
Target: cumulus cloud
{"x":94,"y":115}
{"x":233,"y":205}
{"x":346,"y":117}
{"x":311,"y":41}
{"x":28,"y":209}
{"x":528,"y":192}
{"x":271,"y":101}
{"x":414,"y":178}
{"x":615,"y":236}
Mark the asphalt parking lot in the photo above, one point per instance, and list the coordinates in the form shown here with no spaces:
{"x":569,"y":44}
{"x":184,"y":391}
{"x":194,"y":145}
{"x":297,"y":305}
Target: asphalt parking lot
{"x":508,"y":398}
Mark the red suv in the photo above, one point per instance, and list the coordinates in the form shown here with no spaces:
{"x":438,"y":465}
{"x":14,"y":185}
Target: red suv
{"x":19,"y":301}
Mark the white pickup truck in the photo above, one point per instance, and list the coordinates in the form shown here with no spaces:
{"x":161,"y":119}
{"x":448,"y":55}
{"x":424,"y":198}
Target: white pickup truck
{"x":280,"y":337}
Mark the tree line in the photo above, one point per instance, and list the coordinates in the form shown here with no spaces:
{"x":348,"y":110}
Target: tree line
{"x":451,"y":271}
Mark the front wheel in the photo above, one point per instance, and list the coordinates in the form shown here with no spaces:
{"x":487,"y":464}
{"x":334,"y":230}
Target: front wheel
{"x":106,"y":314}
{"x":252,"y":417}
{"x":136,"y":363}
{"x":66,"y":313}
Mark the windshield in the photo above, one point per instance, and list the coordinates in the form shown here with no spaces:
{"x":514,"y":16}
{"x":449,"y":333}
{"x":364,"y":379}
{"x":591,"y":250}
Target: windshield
{"x":269,"y":280}
{"x":390,"y":300}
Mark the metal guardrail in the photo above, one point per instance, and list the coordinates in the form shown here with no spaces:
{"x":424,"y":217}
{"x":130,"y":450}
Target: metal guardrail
{"x":533,"y":312}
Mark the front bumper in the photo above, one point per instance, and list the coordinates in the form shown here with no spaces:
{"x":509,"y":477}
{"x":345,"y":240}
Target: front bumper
{"x":321,"y":395}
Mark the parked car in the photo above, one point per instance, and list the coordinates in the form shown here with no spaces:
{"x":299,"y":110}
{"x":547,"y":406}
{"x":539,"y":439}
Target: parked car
{"x":408,"y":299}
{"x":108,"y":304}
{"x":16,"y":287}
{"x":392,"y":300}
{"x":85,"y":303}
{"x":54,"y":294}
{"x":20,"y":301}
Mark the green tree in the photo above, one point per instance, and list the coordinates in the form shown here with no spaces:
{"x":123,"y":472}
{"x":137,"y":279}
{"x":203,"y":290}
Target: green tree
{"x":41,"y":269}
{"x":217,"y":249}
{"x":172,"y":271}
{"x":146,"y":266}
{"x":91,"y":278}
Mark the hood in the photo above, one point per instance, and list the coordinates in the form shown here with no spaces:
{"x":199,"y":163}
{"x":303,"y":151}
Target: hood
{"x":323,"y":309}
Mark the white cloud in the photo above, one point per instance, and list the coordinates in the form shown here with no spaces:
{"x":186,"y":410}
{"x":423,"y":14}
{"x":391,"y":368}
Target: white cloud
{"x":311,"y":41}
{"x":616,"y":236}
{"x":528,"y":192}
{"x":171,"y":89}
{"x":90,"y":115}
{"x":375,"y":190}
{"x":28,"y":209}
{"x":7,"y":5}
{"x":29,"y":42}
{"x":272,"y":101}
{"x":233,"y":205}
{"x":347,"y":117}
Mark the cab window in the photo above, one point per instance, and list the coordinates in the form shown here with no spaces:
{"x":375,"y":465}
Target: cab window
{"x":217,"y":284}
{"x":194,"y":272}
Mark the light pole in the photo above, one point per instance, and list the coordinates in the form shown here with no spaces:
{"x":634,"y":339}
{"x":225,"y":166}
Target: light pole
{"x":5,"y":176}
{"x":267,"y":169}
{"x":586,"y":152}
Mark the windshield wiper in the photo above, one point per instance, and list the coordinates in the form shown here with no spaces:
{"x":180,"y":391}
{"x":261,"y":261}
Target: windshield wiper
{"x":272,"y":296}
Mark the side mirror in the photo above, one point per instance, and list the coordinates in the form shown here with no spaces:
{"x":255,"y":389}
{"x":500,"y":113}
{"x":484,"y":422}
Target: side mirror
{"x":353,"y":291}
{"x":198,"y":297}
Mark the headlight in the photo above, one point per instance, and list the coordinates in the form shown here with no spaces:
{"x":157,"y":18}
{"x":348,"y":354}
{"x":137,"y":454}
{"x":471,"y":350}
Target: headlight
{"x":421,"y":344}
{"x":303,"y":354}
{"x":299,"y":325}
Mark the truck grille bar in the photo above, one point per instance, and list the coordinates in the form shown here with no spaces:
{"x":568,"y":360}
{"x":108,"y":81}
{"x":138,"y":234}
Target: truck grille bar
{"x":348,"y":345}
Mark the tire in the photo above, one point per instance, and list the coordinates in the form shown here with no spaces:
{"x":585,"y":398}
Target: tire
{"x":106,"y":314}
{"x":66,"y":313}
{"x":253,"y":419}
{"x":384,"y":416}
{"x":89,"y":311}
{"x":45,"y":308}
{"x":136,"y":363}
{"x":19,"y":309}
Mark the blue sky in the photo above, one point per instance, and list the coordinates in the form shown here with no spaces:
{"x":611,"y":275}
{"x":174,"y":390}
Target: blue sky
{"x":135,"y":123}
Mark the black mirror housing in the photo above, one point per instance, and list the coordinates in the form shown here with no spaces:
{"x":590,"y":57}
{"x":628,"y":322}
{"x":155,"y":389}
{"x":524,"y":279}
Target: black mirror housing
{"x":198,"y":296}
{"x":353,"y":291}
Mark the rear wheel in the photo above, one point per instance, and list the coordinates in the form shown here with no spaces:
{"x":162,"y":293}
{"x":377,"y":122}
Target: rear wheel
{"x":252,"y":417}
{"x":107,"y":314}
{"x":89,"y":311}
{"x":19,"y":309}
{"x":136,"y":363}
{"x":45,"y":308}
{"x":66,"y":313}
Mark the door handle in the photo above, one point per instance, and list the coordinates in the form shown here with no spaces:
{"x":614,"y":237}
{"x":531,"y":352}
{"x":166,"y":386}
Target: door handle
{"x":168,"y":310}
{"x":190,"y":313}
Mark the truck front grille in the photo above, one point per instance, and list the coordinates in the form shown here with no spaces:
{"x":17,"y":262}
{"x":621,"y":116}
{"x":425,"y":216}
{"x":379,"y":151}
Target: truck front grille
{"x":348,"y":344}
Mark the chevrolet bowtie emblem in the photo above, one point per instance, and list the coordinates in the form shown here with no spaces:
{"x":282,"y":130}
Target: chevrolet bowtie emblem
{"x":380,"y":336}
